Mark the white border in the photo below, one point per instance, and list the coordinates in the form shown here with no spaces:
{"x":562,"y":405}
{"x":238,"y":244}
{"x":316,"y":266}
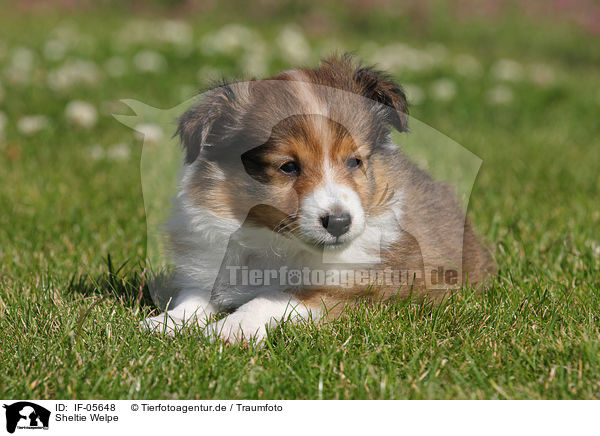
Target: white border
{"x":327,"y":417}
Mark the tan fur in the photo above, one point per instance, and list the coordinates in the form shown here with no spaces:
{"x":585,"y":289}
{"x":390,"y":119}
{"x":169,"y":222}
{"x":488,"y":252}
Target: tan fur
{"x":433,"y":228}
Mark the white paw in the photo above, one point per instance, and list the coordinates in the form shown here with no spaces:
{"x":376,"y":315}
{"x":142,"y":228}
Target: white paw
{"x":235,"y":329}
{"x":169,"y":323}
{"x":163,"y":323}
{"x":191,"y":312}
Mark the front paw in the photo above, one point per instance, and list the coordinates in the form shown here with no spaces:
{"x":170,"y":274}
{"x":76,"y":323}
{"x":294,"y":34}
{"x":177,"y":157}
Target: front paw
{"x":233,"y":330}
{"x":163,"y":323}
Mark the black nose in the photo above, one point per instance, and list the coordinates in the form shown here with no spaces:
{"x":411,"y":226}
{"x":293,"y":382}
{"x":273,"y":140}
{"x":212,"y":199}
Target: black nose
{"x":336,"y":224}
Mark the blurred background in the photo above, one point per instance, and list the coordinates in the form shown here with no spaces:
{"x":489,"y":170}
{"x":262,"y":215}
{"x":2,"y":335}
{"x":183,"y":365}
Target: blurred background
{"x":515,"y":82}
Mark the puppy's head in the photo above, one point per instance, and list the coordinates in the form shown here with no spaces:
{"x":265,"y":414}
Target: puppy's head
{"x":306,"y":152}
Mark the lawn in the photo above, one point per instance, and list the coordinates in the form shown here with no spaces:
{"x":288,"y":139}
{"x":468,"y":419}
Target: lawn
{"x":520,"y":92}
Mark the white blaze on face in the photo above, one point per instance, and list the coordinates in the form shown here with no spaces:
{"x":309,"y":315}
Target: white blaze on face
{"x":328,"y":199}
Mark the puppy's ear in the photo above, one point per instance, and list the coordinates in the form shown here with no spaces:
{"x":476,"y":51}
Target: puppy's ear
{"x":209,"y":122}
{"x":380,"y":87}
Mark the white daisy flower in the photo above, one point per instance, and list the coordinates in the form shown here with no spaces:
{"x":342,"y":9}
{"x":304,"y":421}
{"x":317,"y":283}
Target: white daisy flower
{"x":402,"y":57}
{"x":73,"y":73}
{"x":174,"y":32}
{"x":23,"y":59}
{"x":500,"y":95}
{"x":120,"y":151}
{"x":81,"y":114}
{"x":228,"y":40}
{"x":294,"y":47}
{"x":2,"y":125}
{"x":149,"y":61}
{"x":31,"y":124}
{"x":255,"y":61}
{"x":178,"y":33}
{"x":151,"y":133}
{"x":443,"y":89}
{"x":414,"y":93}
{"x":467,"y":65}
{"x":137,"y":31}
{"x":20,"y":67}
{"x":55,"y":49}
{"x":389,"y":57}
{"x":595,"y":248}
{"x":96,"y":152}
{"x":14,"y":76}
{"x":65,"y":33}
{"x":507,"y":70}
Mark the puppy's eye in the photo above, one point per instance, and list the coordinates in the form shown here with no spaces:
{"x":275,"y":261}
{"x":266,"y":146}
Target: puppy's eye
{"x":353,"y":163}
{"x":290,"y":168}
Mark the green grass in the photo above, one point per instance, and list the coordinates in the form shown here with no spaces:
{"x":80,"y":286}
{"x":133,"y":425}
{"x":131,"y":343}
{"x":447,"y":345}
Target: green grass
{"x":69,"y":316}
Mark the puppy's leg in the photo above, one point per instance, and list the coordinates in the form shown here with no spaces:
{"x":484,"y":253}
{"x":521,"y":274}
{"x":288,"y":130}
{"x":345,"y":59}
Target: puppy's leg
{"x":191,"y":307}
{"x":251,"y":320}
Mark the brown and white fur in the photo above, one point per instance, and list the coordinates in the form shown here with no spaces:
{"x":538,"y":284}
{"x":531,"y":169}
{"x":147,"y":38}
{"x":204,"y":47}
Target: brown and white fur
{"x":299,"y":171}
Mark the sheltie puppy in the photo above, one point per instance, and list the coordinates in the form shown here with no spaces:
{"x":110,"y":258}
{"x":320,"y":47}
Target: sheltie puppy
{"x":294,"y":203}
